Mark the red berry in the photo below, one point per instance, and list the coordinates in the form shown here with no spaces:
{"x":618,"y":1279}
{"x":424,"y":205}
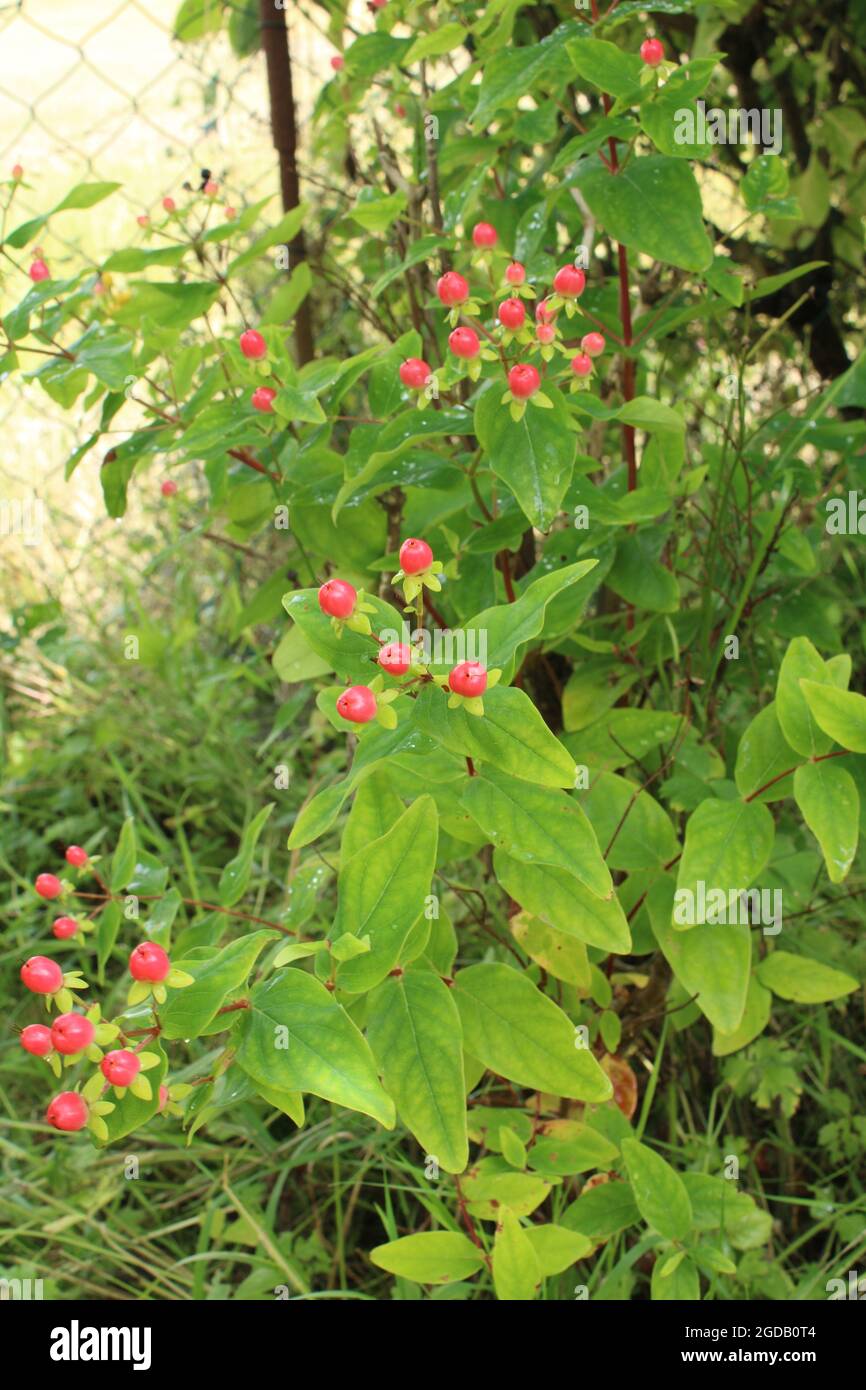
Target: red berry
{"x":544,"y":313}
{"x":253,"y":344}
{"x":395,"y":658}
{"x":452,"y":288}
{"x":149,"y":962}
{"x":523,"y":380}
{"x":168,"y":488}
{"x":17,"y":171}
{"x":581,"y":365}
{"x":652,"y":51}
{"x":414,"y":373}
{"x":67,"y":1111}
{"x":76,"y":856}
{"x":337,"y":598}
{"x":41,"y":975}
{"x":378,"y":4}
{"x":72,"y":1033}
{"x":163,"y":1098}
{"x":48,"y":886}
{"x":463,"y":342}
{"x":211,"y":189}
{"x":358,"y":704}
{"x":469,"y":678}
{"x":515,"y":274}
{"x":230,"y":214}
{"x":120,"y":1068}
{"x":484,"y":235}
{"x":414,"y":556}
{"x":36,"y":1039}
{"x":142,"y":219}
{"x":262,"y":398}
{"x":569,"y":281}
{"x":39,"y":271}
{"x":338,"y":62}
{"x":169,"y":204}
{"x":593,"y":343}
{"x":64,"y":927}
{"x":545,"y":332}
{"x":511,"y":313}
{"x":399,"y":109}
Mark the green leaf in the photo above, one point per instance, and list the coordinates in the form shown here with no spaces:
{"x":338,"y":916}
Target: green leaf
{"x":235,"y":877}
{"x":828,"y":798}
{"x":415,"y":1033}
{"x":537,"y":825}
{"x":442,"y":39}
{"x":630,"y":821}
{"x":533,"y":456}
{"x":675,"y":1279}
{"x":623,"y":736}
{"x":653,"y":205}
{"x":195,"y":18}
{"x":802,"y":980}
{"x":106,"y":935}
{"x":509,"y":625}
{"x":607,"y":67}
{"x":563,"y":956}
{"x":123,"y":859}
{"x":516,"y":1270}
{"x":517,"y":1032}
{"x":561,"y":900}
{"x":294,"y":659}
{"x":296,"y":1037}
{"x":433,"y":1257}
{"x":579,"y":1151}
{"x":711,"y":961}
{"x":603,"y":1211}
{"x":727,"y":845}
{"x":756,"y":1016}
{"x":188,"y":1011}
{"x":556,"y":1248}
{"x":382,"y":891}
{"x":659,"y":1192}
{"x":513,"y":71}
{"x":284,"y":232}
{"x":799,"y":726}
{"x":511,"y":735}
{"x":841,"y":714}
{"x":762,"y":754}
{"x":376,"y":211}
{"x":638,"y":577}
{"x":349,"y":654}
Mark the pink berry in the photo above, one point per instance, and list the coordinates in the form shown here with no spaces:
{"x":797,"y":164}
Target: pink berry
{"x":76,"y":856}
{"x":338,"y":62}
{"x":544,"y":313}
{"x":545,"y":332}
{"x":36,"y":1039}
{"x":378,"y":4}
{"x":39,"y":271}
{"x":163,"y":1098}
{"x":581,"y":365}
{"x":41,"y":975}
{"x":48,"y":886}
{"x":64,"y":927}
{"x":67,"y":1111}
{"x":515,"y":274}
{"x":357,"y":704}
{"x":414,"y":556}
{"x":142,"y":219}
{"x":149,"y":962}
{"x":463,"y":342}
{"x":17,"y":171}
{"x":511,"y":313}
{"x":399,"y":109}
{"x":414,"y":373}
{"x":230,"y":214}
{"x":593,"y":343}
{"x":72,"y":1033}
{"x":169,"y":204}
{"x":484,"y":235}
{"x":262,"y":399}
{"x":395,"y":658}
{"x":469,"y":678}
{"x":523,"y":380}
{"x":168,"y":488}
{"x":252,"y":344}
{"x":211,"y":189}
{"x":652,"y":51}
{"x":452,"y":288}
{"x":120,"y":1068}
{"x":337,"y":598}
{"x":569,"y":281}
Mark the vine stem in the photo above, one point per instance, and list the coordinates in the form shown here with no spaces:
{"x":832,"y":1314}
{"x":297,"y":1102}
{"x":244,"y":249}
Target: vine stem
{"x":193,"y":902}
{"x":822,"y":758}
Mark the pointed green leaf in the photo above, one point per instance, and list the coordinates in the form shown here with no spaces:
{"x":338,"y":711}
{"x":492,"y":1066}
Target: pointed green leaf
{"x":433,"y":1257}
{"x":711,"y":961}
{"x":802,"y":980}
{"x":511,"y":735}
{"x":841,"y":714}
{"x":188,"y":1011}
{"x":801,"y":662}
{"x":235,"y":877}
{"x":727,"y":845}
{"x":828,"y":797}
{"x":562,"y":901}
{"x":659,"y":1191}
{"x":516,"y":1271}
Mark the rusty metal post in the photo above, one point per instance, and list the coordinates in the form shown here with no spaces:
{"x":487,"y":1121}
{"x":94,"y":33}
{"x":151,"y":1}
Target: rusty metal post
{"x":275,"y":43}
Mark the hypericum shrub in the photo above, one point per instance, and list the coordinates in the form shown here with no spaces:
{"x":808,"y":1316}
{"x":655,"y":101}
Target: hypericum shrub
{"x":527,"y":572}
